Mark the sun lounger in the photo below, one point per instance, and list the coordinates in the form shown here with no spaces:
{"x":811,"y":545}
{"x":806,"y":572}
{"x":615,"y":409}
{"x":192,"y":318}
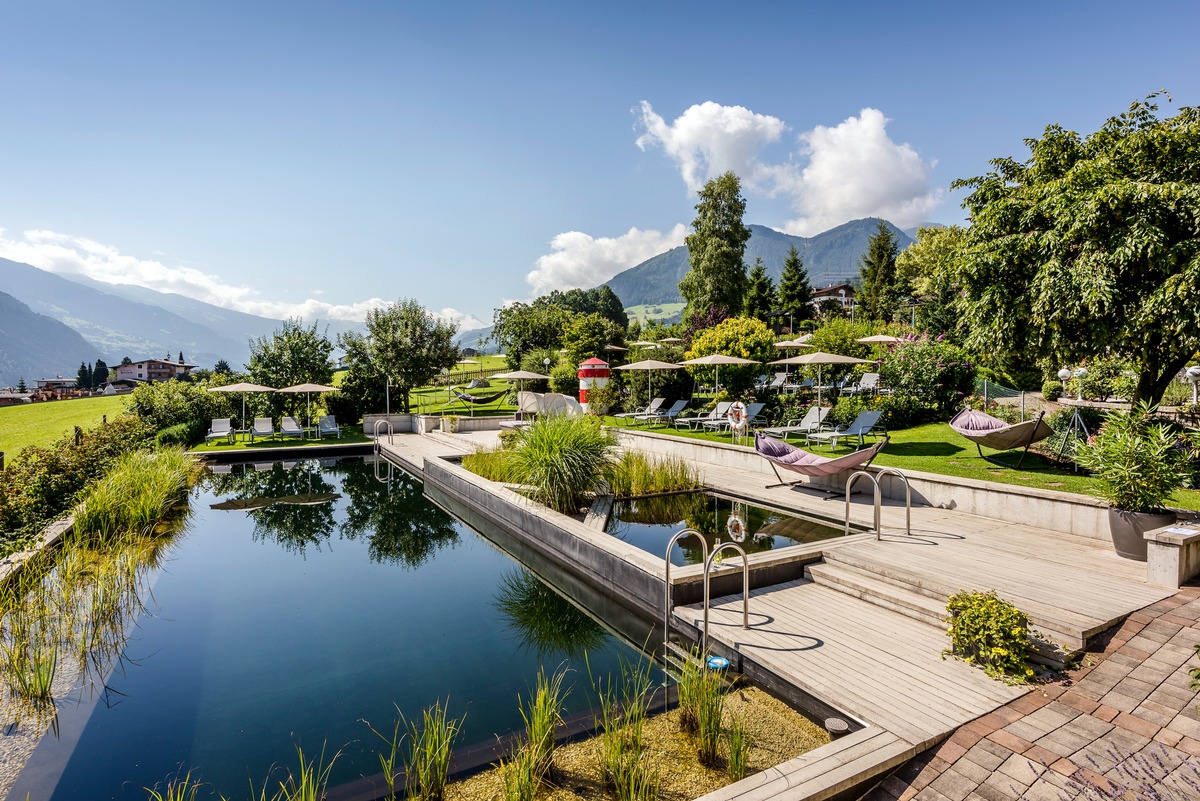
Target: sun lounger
{"x":262,"y":428}
{"x":722,"y":423}
{"x":288,"y":427}
{"x":796,"y":460}
{"x":811,"y":422}
{"x":220,"y":428}
{"x":662,"y":416}
{"x":327,"y":424}
{"x":654,"y":406}
{"x":717,"y":413}
{"x":865,"y":425}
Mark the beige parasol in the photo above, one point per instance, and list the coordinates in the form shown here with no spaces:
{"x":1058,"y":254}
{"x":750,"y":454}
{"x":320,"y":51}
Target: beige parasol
{"x":648,"y":365}
{"x":820,"y":358}
{"x":308,"y":389}
{"x":243,"y":387}
{"x":716,"y":360}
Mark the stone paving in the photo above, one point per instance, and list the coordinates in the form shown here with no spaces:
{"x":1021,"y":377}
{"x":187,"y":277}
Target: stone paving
{"x":1125,"y":720}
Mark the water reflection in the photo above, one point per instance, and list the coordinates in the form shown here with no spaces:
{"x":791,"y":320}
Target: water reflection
{"x":288,"y":501}
{"x":399,"y":523}
{"x":544,"y":621}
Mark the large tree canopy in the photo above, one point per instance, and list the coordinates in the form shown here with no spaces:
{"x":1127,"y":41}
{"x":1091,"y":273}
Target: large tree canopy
{"x":715,"y":248}
{"x":1091,"y":245}
{"x":294,"y":354}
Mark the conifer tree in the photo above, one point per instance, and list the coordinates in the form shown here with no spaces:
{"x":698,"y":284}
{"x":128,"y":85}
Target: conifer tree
{"x":21,"y":385}
{"x":100,"y":373}
{"x":716,"y":247}
{"x":83,"y":378}
{"x":878,"y":273}
{"x":795,"y":292}
{"x":760,"y":292}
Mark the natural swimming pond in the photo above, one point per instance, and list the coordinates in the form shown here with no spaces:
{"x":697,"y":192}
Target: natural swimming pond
{"x":649,"y":523}
{"x":301,"y":600}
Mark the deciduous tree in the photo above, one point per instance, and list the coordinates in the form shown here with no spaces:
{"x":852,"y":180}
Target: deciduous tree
{"x":294,"y":354}
{"x":522,"y":327}
{"x":715,"y":248}
{"x":926,"y":269}
{"x":1090,"y":245}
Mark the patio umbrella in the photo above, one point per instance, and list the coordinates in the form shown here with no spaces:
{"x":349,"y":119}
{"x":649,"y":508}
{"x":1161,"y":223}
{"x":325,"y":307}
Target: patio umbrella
{"x":792,"y":344}
{"x":879,"y":339}
{"x":615,"y":348}
{"x":648,"y":365}
{"x":716,"y":360}
{"x":641,"y":343}
{"x":670,"y":339}
{"x":243,"y":387}
{"x":520,"y":376}
{"x":819,"y":358}
{"x":308,"y":389}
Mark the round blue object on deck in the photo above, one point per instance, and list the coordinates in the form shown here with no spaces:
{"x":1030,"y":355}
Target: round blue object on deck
{"x":717,"y":662}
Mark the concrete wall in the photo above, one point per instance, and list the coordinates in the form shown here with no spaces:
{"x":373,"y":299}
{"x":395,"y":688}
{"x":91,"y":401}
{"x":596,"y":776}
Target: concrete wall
{"x":1058,"y":511}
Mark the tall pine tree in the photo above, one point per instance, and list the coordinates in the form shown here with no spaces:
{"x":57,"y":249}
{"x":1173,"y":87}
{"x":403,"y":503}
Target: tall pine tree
{"x":760,"y":293}
{"x":717,"y":277}
{"x":878,"y":273}
{"x":99,"y":373}
{"x":83,"y":378}
{"x":795,"y":292}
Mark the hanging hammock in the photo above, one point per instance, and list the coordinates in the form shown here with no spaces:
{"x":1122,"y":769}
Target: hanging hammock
{"x":797,"y":460}
{"x":983,"y":429}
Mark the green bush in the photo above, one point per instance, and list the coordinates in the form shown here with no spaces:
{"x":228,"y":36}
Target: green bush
{"x":935,"y":373}
{"x":564,"y":379}
{"x":988,"y":631}
{"x":163,"y":404}
{"x":1052,"y":389}
{"x":181,"y":434}
{"x":737,"y":336}
{"x":563,"y":458}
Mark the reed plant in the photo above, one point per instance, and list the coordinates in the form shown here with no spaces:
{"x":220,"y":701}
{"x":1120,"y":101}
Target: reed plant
{"x":542,"y":717}
{"x":701,"y":704}
{"x":635,"y":473}
{"x":519,"y":776}
{"x":137,"y":494}
{"x":623,"y":706}
{"x":562,"y":459}
{"x":390,"y":758}
{"x":738,"y":743}
{"x":494,"y":464}
{"x":180,"y":788}
{"x":309,"y":782}
{"x":427,"y":766}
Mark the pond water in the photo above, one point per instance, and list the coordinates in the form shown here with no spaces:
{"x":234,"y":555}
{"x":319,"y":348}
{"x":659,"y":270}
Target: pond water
{"x":649,"y":523}
{"x":268,"y":625}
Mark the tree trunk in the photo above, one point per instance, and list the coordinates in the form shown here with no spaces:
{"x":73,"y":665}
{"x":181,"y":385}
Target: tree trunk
{"x":1157,"y":375}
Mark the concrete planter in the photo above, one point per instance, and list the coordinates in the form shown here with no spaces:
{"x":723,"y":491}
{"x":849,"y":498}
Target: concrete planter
{"x":1128,"y":530}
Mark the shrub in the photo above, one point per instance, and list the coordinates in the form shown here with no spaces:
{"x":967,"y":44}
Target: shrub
{"x":935,"y":373}
{"x":738,"y":336}
{"x":1139,"y":461}
{"x":989,"y":631}
{"x":163,"y":404}
{"x":564,"y":379}
{"x":562,"y":458}
{"x":137,"y":494}
{"x":1052,"y":389}
{"x":182,"y":434}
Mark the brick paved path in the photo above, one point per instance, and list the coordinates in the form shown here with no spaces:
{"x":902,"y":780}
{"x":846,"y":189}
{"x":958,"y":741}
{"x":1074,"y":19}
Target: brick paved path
{"x":1126,"y":718}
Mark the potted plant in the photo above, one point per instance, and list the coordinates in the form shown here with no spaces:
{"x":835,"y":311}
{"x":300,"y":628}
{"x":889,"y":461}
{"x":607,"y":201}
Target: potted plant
{"x":1139,"y":461}
{"x":450,"y":423}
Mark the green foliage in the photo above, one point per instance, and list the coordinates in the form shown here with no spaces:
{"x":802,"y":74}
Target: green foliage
{"x":601,"y":300}
{"x":716,"y":248}
{"x":309,"y":781}
{"x":521,"y":327}
{"x":1138,"y":461}
{"x":601,"y":399}
{"x":427,"y":763}
{"x":760,"y":293}
{"x":492,"y":464}
{"x":163,"y":404}
{"x":100,"y":373}
{"x":934,"y":373}
{"x":562,"y":458}
{"x":739,"y":750}
{"x":544,"y":621}
{"x":404,"y":342}
{"x":992,"y":633}
{"x":542,"y":715}
{"x":1107,"y":377}
{"x":795,"y":290}
{"x":519,"y":780}
{"x":43,"y":483}
{"x":1052,"y":389}
{"x":636,"y":474}
{"x":879,"y":294}
{"x":180,"y":788}
{"x":623,"y":708}
{"x":1090,"y":246}
{"x":138,"y":493}
{"x":925,"y":271}
{"x":839,"y":335}
{"x":737,"y":336}
{"x":586,"y":336}
{"x":564,"y":379}
{"x":292,"y":355}
{"x":182,"y":434}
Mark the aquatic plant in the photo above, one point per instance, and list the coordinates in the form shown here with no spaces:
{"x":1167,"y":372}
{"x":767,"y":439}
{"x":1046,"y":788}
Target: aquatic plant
{"x":494,"y":464}
{"x":636,"y":473}
{"x":623,"y":708}
{"x":519,"y":775}
{"x":541,"y":720}
{"x":427,"y":764}
{"x":389,"y":759}
{"x":738,"y":742}
{"x":310,"y":780}
{"x":137,"y":494}
{"x":562,"y":458}
{"x":180,"y":788}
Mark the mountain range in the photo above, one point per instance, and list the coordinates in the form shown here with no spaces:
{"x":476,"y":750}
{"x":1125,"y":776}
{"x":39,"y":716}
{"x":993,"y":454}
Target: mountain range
{"x":34,"y":346}
{"x":830,"y":257}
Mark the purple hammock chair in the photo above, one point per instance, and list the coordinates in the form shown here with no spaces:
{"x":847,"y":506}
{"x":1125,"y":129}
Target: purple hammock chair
{"x":797,"y":460}
{"x":983,"y":429}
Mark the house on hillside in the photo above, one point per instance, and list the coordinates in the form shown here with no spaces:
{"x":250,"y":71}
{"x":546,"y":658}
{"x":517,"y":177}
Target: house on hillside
{"x":844,"y":293}
{"x":54,"y":388}
{"x":149,"y":370}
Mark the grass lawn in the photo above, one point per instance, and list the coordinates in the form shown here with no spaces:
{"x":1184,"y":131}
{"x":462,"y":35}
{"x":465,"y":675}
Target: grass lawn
{"x":43,"y":423}
{"x":935,"y":448}
{"x":349,"y":436}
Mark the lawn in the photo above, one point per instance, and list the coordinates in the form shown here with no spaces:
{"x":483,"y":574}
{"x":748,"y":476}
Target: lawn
{"x":43,"y":423}
{"x":350,"y":435}
{"x":935,"y":448}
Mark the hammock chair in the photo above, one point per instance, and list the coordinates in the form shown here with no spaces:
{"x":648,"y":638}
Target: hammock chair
{"x":477,"y":400}
{"x":797,"y":460}
{"x":983,"y":429}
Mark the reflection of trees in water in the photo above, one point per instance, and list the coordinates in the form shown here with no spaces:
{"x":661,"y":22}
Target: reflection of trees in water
{"x":546,"y":622}
{"x":401,"y":526}
{"x":65,"y":619}
{"x":292,"y":523}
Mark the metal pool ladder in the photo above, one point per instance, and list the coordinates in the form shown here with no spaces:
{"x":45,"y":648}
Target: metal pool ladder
{"x":708,"y":563}
{"x":886,"y":471}
{"x":391,"y":432}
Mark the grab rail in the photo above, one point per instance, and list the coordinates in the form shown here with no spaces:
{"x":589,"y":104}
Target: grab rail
{"x":745,"y":587}
{"x":384,"y":479}
{"x":391,"y":432}
{"x":667,"y":581}
{"x":886,"y":471}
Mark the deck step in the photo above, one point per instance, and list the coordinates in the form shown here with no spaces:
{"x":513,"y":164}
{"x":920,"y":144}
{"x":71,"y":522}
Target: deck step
{"x":1049,"y":622}
{"x":882,"y":593}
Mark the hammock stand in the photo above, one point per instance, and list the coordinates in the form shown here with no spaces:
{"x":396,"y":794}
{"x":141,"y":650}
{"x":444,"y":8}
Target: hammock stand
{"x":476,"y":400}
{"x":983,"y":429}
{"x":797,"y":460}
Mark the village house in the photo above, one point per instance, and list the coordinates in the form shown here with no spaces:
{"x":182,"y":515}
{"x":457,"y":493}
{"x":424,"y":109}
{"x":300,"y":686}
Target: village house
{"x":149,"y":370}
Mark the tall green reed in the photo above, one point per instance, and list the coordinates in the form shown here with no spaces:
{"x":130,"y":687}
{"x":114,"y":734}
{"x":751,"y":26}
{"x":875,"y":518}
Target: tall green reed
{"x":562,"y":458}
{"x":427,"y":765}
{"x":738,"y":742}
{"x":622,"y":711}
{"x":635,"y":473}
{"x":701,"y":704}
{"x":142,"y":488}
{"x":542,"y":716}
{"x":180,"y":788}
{"x":309,"y":781}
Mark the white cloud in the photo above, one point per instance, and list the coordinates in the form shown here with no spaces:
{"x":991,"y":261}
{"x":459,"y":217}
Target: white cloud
{"x":70,"y":255}
{"x":465,"y":322}
{"x":709,"y":139}
{"x":580,"y":260}
{"x":840,"y":173}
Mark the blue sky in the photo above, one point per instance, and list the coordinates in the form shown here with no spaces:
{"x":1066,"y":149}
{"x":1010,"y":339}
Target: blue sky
{"x":318,"y":158}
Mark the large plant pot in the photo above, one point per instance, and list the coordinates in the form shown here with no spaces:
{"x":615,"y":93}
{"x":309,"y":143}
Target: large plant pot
{"x":1127,"y":530}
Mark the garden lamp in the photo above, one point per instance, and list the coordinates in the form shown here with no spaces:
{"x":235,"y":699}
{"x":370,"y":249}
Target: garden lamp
{"x":1192,"y":374}
{"x":1080,"y":374}
{"x":1063,"y":375}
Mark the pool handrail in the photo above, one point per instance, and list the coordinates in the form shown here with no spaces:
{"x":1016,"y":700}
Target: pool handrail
{"x":708,"y":563}
{"x":667,"y":582}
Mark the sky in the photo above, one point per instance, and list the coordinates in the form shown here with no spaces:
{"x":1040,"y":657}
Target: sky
{"x":320,"y":159}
